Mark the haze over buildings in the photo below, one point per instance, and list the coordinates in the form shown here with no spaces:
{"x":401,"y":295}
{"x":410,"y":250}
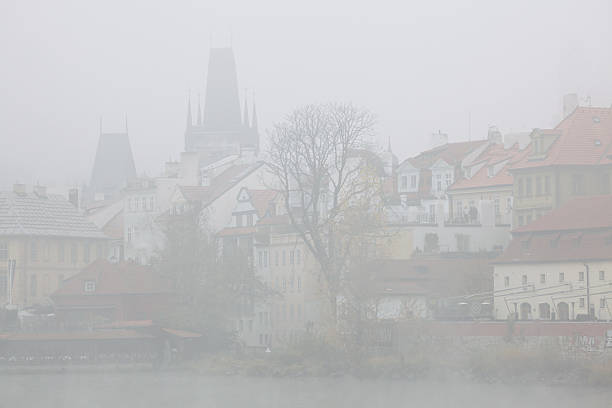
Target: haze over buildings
{"x":446,"y":66}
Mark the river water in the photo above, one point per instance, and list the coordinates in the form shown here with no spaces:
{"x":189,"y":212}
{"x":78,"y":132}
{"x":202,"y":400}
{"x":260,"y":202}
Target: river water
{"x":154,"y":390}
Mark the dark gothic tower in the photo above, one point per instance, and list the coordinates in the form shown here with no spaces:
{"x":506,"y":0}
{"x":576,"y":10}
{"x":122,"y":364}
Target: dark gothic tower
{"x":221,"y":131}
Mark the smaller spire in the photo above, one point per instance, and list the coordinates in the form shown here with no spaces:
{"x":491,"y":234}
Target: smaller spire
{"x":199,"y":111}
{"x":189,"y":120}
{"x":389,"y":144}
{"x":254,"y":123}
{"x":245,"y":113}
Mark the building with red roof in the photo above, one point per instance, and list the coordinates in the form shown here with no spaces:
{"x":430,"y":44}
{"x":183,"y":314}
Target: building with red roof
{"x":573,"y":159}
{"x":559,"y":267}
{"x":109,"y":292}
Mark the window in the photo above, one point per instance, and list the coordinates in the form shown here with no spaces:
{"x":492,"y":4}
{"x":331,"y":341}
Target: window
{"x":130,"y":204}
{"x":508,"y":205}
{"x":299,"y":311}
{"x":90,"y":286}
{"x":152,"y":203}
{"x":581,"y":302}
{"x":284,"y":258}
{"x":239,"y":220}
{"x":490,"y":171}
{"x":520,"y":188}
{"x":497,"y":208}
{"x":260,"y":253}
{"x":547,"y":185}
{"x":298,"y":257}
{"x":463,"y":242}
{"x":291,"y":257}
{"x":602,"y":275}
{"x":276,"y":258}
{"x":439,"y":182}
{"x":3,"y":251}
{"x":602,"y":302}
{"x":542,"y":278}
{"x":299,"y":284}
{"x":130,"y":232}
{"x":448,"y":179}
{"x":413,"y":181}
{"x":74,"y":256}
{"x":561,"y":276}
{"x":250,"y":324}
{"x":521,"y":222}
{"x":506,"y":281}
{"x":404,"y":182}
{"x":34,"y":251}
{"x":524,"y":279}
{"x":538,"y":185}
{"x":33,"y":285}
{"x":528,"y":218}
{"x":265,"y":259}
{"x":581,"y":276}
{"x":291,"y":308}
{"x":284,"y":284}
{"x":528,"y":190}
{"x":61,"y":256}
{"x":250,"y":220}
{"x":578,"y":184}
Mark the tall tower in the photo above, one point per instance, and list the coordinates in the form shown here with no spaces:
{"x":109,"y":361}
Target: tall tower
{"x":221,"y":132}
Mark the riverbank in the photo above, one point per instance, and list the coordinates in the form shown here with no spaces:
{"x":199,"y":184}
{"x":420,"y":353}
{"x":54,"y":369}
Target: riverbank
{"x":503,"y":365}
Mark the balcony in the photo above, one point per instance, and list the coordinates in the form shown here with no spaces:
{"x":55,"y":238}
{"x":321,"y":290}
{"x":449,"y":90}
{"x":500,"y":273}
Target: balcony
{"x":463,"y":221}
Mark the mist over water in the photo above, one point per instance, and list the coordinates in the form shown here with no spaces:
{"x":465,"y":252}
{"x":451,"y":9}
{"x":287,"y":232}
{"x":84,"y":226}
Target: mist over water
{"x":182,"y":390}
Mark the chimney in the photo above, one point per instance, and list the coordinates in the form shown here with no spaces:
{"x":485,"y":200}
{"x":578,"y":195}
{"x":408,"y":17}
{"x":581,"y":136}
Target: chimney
{"x":19,"y":188}
{"x":40,"y":191}
{"x":494,"y":135}
{"x":438,"y":139}
{"x":73,"y":197}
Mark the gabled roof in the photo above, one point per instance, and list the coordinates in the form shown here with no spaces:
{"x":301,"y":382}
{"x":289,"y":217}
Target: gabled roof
{"x":261,"y":200}
{"x":115,"y":279}
{"x":51,"y":215}
{"x":492,"y":155}
{"x":583,"y":138}
{"x":451,"y":153}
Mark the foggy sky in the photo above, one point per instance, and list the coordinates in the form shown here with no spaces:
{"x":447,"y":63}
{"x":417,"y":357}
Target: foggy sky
{"x":420,"y":68}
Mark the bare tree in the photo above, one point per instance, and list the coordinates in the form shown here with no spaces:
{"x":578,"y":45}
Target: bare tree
{"x":331,"y":184}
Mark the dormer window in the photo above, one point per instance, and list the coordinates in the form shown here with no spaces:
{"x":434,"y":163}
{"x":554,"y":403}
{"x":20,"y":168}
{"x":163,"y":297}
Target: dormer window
{"x":490,"y":171}
{"x":90,"y":286}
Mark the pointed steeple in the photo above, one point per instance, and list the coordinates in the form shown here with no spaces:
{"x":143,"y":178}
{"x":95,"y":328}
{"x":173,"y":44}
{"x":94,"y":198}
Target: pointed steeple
{"x":245,"y":113}
{"x":189,"y":120}
{"x":254,"y":123}
{"x":222,"y":104}
{"x":199,"y":112}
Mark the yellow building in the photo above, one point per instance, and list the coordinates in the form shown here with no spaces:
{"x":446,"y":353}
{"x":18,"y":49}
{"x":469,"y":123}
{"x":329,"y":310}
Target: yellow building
{"x":571,"y":160}
{"x":48,"y":239}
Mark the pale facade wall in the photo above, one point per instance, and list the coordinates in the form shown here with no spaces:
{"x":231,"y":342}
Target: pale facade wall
{"x":561,"y":282}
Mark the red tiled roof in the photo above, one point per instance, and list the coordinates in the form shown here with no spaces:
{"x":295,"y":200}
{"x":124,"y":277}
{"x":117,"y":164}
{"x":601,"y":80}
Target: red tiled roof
{"x":494,"y":154}
{"x":577,"y":214}
{"x":584,"y":138}
{"x":558,"y":247}
{"x":114,"y":228}
{"x":80,"y":335}
{"x":261,"y":200}
{"x":452,"y":153}
{"x":195,"y":193}
{"x":115,"y":279}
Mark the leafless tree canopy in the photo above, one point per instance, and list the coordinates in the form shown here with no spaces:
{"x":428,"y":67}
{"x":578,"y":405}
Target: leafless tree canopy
{"x":317,"y":155}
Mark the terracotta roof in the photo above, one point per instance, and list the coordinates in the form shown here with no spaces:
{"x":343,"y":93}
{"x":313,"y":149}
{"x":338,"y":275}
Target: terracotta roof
{"x":452,"y":153}
{"x":494,"y":154}
{"x":577,"y":214}
{"x":195,"y":193}
{"x":261,"y":200}
{"x":51,"y":215}
{"x":79,"y":335}
{"x":114,"y":228}
{"x":558,"y":247}
{"x":584,"y":138}
{"x":115,"y":279}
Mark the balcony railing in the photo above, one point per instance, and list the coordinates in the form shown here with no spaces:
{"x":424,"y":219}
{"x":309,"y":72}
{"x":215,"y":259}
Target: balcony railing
{"x":474,"y":221}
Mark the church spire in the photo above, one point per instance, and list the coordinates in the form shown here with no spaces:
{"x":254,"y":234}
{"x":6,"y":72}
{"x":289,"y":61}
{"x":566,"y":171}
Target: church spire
{"x":245,"y":114}
{"x":254,"y":123}
{"x":189,"y":121}
{"x":199,"y":112}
